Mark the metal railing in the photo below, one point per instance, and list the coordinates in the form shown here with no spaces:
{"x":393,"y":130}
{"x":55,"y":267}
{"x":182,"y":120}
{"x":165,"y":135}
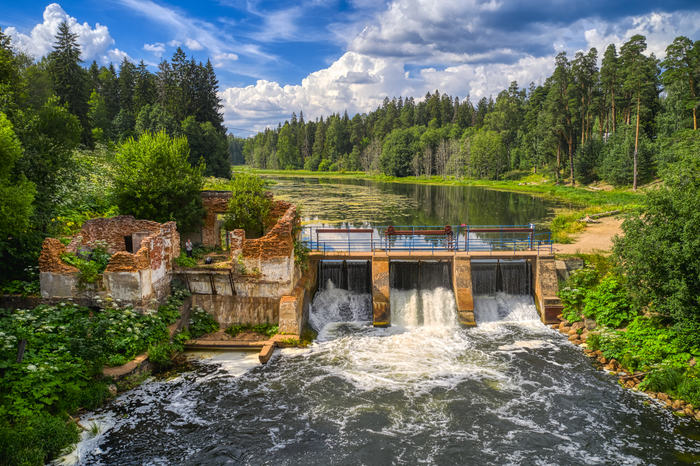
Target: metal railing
{"x":450,"y":238}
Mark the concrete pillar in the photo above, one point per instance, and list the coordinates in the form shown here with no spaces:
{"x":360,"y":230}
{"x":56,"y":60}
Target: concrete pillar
{"x":380,"y":292}
{"x":462,"y":282}
{"x":546,"y":288}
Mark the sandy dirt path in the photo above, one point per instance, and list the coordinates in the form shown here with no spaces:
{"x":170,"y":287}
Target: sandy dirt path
{"x":596,"y":237}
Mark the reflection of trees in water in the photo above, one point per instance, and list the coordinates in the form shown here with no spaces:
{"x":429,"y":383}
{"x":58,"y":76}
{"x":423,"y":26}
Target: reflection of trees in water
{"x":356,"y":201}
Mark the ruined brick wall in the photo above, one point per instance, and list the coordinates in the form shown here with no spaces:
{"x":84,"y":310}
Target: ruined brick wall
{"x":278,"y":242}
{"x":112,"y":230}
{"x":134,"y":278}
{"x":214,"y":202}
{"x":279,"y":208}
{"x":50,"y":258}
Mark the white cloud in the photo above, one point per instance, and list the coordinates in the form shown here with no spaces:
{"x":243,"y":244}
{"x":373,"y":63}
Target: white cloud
{"x":157,"y":48}
{"x":461,"y":47}
{"x":193,"y":44}
{"x":93,"y":41}
{"x":115,"y":56}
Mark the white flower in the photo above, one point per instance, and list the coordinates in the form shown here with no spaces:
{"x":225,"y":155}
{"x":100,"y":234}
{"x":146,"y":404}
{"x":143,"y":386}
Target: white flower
{"x":31,"y":368}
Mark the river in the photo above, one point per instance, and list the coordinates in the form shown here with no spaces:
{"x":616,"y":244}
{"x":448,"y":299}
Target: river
{"x":510,"y":391}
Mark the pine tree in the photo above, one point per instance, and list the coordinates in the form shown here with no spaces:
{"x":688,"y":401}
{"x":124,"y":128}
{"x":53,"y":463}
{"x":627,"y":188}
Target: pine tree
{"x":69,"y":78}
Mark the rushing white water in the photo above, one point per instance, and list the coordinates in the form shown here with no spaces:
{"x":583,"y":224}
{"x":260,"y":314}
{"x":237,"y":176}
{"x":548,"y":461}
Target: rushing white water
{"x":503,"y":307}
{"x":337,"y":305}
{"x":427,"y":308}
{"x":510,"y":391}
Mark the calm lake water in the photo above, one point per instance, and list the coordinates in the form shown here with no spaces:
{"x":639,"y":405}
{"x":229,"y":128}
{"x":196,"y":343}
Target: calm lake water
{"x":510,"y":391}
{"x":358,"y":202}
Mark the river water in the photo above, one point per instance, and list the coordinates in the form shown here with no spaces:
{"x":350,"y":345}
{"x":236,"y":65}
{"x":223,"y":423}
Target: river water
{"x":510,"y":391}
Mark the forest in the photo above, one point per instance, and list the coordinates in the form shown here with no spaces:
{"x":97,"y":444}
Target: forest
{"x":614,"y":123}
{"x":62,"y":123}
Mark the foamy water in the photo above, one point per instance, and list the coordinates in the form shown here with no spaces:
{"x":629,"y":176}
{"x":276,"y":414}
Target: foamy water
{"x":510,"y":391}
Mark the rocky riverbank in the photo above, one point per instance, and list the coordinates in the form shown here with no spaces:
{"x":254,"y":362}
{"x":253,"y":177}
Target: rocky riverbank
{"x":578,"y":333}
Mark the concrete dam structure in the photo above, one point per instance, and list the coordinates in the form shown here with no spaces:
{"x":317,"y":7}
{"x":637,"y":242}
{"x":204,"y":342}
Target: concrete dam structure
{"x":379,"y":276}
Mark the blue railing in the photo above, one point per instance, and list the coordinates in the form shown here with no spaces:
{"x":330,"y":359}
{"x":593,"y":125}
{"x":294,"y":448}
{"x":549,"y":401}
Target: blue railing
{"x":457,"y":238}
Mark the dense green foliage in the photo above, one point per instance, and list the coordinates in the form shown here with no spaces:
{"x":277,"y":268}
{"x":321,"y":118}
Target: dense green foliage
{"x":267,"y":330}
{"x":249,"y":206}
{"x":660,"y":251}
{"x":60,"y":123}
{"x":154,"y":180}
{"x":66,"y":347}
{"x":90,"y":263}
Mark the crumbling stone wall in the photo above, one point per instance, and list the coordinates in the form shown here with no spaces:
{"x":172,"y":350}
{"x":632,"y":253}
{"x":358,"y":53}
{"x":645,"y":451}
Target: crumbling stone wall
{"x":132,"y":278}
{"x":271,"y":256}
{"x":112,"y":230}
{"x":215,"y":203}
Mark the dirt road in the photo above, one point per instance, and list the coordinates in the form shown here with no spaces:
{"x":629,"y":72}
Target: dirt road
{"x":596,"y":237}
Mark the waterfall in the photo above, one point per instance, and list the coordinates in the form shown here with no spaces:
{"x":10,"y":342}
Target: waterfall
{"x":421,"y":294}
{"x":510,"y":276}
{"x":503,"y":307}
{"x":338,"y":305}
{"x":515,"y":277}
{"x":347,"y":275}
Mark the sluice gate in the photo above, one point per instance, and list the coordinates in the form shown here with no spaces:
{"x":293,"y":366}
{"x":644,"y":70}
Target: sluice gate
{"x":470,"y":261}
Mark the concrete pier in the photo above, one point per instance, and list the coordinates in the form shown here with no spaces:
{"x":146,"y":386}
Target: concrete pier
{"x":380,"y":292}
{"x":462,"y":283}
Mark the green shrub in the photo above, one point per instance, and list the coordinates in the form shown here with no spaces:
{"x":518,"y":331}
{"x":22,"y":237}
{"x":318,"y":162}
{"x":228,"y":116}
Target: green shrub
{"x":262,"y":329}
{"x":662,"y":380}
{"x":608,"y":303}
{"x":574,"y":291}
{"x":162,"y":354}
{"x":183,"y":261}
{"x":201,"y":323}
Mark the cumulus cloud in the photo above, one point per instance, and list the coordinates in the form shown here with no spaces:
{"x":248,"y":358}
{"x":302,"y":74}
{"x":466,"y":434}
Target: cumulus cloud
{"x":157,"y":48}
{"x":94,"y":41}
{"x":461,"y":47}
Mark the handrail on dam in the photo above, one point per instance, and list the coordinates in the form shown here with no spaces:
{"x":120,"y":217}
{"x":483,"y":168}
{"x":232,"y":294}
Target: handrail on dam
{"x":428,"y":239}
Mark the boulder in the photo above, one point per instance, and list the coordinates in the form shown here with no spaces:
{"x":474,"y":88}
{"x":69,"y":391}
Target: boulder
{"x":662,"y":396}
{"x":577,"y":326}
{"x":590,"y":324}
{"x":689,"y":411}
{"x":676,"y":405}
{"x":584,"y":335}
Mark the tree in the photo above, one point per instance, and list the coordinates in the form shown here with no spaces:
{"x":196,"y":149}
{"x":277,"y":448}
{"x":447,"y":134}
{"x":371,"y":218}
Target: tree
{"x":397,"y":152}
{"x":208,"y":144}
{"x":640,"y":75}
{"x":249,"y":206}
{"x":660,"y":250}
{"x":622,"y":153}
{"x":16,"y":192}
{"x":610,"y":82}
{"x":98,"y":116}
{"x":49,"y":137}
{"x":154,"y":180}
{"x":69,"y":78}
{"x":154,"y":118}
{"x":682,"y":63}
{"x":488,"y":155}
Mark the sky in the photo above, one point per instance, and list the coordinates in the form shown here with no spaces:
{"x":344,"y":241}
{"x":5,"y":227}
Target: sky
{"x":324,"y":56}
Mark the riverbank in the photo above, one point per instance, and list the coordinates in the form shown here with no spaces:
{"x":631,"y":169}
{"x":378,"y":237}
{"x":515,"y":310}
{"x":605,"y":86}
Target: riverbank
{"x":646,"y":350}
{"x":74,"y":358}
{"x":531,"y":184}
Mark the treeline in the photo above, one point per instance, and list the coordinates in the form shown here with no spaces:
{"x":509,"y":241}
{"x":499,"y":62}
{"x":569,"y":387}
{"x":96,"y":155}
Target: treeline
{"x":584,"y":123}
{"x":60,"y":123}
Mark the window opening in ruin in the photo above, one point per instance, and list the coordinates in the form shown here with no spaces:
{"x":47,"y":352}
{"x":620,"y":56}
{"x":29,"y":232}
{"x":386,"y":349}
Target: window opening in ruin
{"x":129,"y":244}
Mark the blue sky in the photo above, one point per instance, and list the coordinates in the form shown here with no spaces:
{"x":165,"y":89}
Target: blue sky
{"x":319,"y":56}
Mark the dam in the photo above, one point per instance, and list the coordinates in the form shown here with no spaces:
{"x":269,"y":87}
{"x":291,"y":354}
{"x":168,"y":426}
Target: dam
{"x":466,"y":260}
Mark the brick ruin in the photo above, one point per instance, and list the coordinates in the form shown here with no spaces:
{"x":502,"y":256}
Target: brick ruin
{"x":215,"y":203}
{"x":138,"y":271}
{"x":248,"y":288}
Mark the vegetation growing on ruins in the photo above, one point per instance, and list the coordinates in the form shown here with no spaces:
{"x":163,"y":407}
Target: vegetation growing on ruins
{"x":249,"y":206}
